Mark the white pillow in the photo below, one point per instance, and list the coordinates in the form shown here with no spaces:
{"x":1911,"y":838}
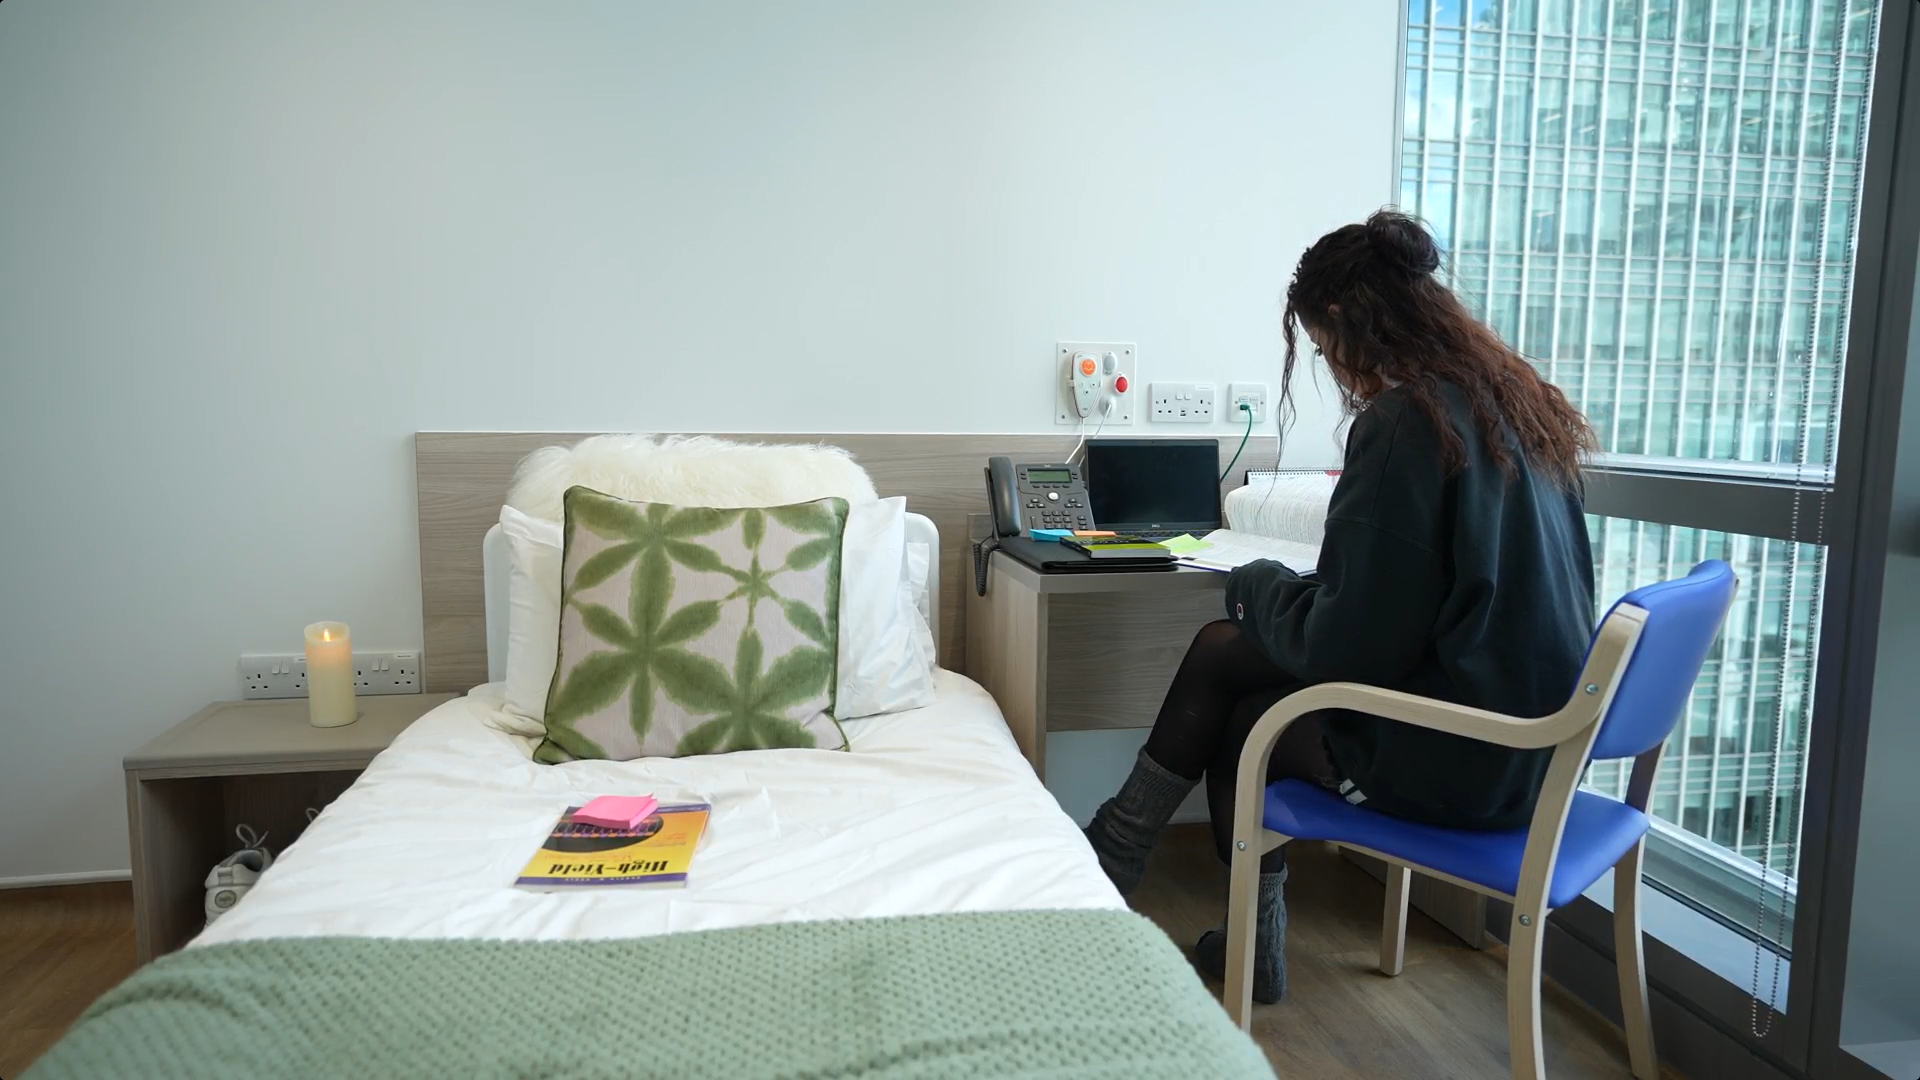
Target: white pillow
{"x":534,"y":548}
{"x":686,"y":470}
{"x":919,"y":562}
{"x":886,"y":654}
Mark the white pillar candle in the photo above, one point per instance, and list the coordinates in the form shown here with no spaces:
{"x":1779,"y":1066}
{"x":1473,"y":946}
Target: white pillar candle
{"x":329,"y":675}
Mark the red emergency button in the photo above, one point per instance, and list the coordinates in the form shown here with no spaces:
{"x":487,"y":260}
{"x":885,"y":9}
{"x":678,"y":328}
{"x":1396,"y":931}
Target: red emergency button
{"x":1120,"y":384}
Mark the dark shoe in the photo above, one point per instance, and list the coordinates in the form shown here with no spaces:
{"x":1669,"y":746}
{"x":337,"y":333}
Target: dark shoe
{"x":1124,"y":828}
{"x":1269,"y":944}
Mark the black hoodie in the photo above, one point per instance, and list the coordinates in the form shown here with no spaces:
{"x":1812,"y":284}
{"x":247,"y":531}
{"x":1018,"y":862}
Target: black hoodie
{"x":1474,"y":588}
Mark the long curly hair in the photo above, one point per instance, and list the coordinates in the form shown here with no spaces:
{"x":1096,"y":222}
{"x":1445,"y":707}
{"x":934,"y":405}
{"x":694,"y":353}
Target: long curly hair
{"x":1370,"y":295}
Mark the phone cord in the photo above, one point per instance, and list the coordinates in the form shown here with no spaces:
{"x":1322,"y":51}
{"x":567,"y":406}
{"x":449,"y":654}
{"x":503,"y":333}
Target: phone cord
{"x":981,"y":550}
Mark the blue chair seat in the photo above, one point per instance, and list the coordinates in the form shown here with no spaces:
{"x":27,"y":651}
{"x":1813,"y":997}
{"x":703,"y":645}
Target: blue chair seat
{"x":1598,"y":832}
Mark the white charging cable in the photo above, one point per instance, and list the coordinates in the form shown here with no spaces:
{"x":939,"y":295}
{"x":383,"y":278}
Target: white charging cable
{"x":1106,"y":410}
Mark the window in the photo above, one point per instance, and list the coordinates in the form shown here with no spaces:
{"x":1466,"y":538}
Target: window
{"x":1715,"y":767}
{"x":1516,"y":111}
{"x":1550,"y":118}
{"x":1585,"y":114}
{"x":1686,"y":117}
{"x":1713,"y":209}
{"x":1653,"y":116}
{"x":1544,"y":220}
{"x":1626,"y":18}
{"x":1619,"y":115}
{"x":1611,"y":235}
{"x":1679,"y":227}
{"x":1753,"y":121}
{"x":1694,"y":20}
{"x":1662,"y":218}
{"x":1577,"y":227}
{"x":1786,"y":124}
{"x":1476,"y":204}
{"x":1480,"y":108}
{"x":1659,"y":22}
{"x":1720,"y":120}
{"x":1443,"y":104}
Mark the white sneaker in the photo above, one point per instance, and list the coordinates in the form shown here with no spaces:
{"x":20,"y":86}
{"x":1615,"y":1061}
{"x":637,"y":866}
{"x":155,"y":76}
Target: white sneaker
{"x":236,"y":873}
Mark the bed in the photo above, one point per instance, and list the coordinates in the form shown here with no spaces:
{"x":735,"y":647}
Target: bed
{"x":918,"y":906}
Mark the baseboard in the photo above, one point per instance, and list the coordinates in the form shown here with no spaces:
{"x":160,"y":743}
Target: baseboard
{"x":41,"y":881}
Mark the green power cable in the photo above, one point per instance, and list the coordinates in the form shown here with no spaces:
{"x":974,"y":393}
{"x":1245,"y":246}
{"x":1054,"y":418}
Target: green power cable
{"x":1248,"y":409}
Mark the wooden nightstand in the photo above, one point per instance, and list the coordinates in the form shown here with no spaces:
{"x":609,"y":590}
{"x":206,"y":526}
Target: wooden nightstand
{"x":254,"y":762}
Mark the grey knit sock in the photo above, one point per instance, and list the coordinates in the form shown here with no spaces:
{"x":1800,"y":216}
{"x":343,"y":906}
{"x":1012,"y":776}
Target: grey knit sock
{"x":1269,"y":943}
{"x":1124,"y":828}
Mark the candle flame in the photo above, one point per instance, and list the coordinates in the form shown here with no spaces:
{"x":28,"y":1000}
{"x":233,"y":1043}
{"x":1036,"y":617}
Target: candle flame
{"x":326,"y":635}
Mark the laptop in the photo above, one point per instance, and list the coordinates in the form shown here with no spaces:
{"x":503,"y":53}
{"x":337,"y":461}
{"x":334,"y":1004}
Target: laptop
{"x":1156,"y":488}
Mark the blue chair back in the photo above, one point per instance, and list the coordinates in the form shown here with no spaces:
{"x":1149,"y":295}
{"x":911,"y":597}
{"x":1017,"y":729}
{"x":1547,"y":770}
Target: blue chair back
{"x":1683,"y":618}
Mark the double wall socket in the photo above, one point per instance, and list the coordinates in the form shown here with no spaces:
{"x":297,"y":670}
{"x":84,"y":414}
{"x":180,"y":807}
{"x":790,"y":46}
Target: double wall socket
{"x":1182,"y":403}
{"x":284,"y":675}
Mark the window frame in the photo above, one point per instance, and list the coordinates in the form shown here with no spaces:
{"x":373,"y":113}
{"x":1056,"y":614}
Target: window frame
{"x":1702,"y":1016}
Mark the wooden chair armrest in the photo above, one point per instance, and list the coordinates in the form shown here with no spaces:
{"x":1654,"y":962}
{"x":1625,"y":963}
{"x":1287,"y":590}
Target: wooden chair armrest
{"x":1493,"y":727}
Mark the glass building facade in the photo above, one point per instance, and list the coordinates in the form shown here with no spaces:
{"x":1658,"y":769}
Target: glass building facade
{"x":1655,"y":201}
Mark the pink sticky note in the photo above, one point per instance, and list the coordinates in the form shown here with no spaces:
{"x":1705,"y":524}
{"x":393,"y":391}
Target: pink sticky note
{"x":617,"y":811}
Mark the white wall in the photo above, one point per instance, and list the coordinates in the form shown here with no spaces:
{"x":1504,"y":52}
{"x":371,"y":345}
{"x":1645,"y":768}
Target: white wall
{"x":247,"y":250}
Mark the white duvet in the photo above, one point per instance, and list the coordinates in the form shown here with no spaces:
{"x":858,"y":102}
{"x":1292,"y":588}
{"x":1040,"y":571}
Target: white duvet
{"x":933,"y":810}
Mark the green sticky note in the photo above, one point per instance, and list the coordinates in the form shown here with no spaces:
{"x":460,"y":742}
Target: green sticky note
{"x":1184,"y":544}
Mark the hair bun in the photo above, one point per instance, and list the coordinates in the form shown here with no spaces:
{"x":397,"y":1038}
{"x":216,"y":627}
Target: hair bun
{"x":1401,"y":239}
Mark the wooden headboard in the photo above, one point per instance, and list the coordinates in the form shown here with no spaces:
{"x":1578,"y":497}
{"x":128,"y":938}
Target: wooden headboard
{"x":463,"y":478}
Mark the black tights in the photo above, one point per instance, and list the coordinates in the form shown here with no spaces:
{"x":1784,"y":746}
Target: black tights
{"x":1222,"y":689}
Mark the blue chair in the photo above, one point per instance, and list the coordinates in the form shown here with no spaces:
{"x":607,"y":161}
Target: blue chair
{"x":1633,"y":689}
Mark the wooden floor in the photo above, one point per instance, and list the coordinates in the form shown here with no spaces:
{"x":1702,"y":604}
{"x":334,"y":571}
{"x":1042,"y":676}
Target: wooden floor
{"x":1444,"y":1017}
{"x":59,"y":949}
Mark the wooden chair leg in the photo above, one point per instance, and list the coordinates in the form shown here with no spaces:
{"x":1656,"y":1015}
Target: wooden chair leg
{"x":1525,"y":1044}
{"x":1630,"y":963}
{"x":1243,"y":902}
{"x":1393,"y":928}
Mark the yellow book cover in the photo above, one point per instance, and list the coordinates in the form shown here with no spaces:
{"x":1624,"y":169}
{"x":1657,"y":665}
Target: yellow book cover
{"x":656,"y":852}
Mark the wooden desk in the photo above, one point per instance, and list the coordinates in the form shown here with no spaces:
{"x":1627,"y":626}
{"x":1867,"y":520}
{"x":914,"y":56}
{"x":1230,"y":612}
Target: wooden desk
{"x":1076,"y":652}
{"x":254,"y":762}
{"x":1073,"y":652}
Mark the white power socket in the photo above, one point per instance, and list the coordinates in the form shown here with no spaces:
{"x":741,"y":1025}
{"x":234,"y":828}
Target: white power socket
{"x":273,"y":675}
{"x":1247,"y":393}
{"x":284,"y":675}
{"x":1182,"y":403}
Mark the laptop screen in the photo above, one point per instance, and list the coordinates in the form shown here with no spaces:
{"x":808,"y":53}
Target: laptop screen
{"x":1154,"y":484}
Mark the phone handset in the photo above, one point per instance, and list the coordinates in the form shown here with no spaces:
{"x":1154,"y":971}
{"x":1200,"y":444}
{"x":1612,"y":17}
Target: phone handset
{"x":1003,"y":506}
{"x":1003,"y":496}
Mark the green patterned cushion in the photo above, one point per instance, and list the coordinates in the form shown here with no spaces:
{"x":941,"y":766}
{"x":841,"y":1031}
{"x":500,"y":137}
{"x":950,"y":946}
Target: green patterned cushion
{"x":686,"y":630}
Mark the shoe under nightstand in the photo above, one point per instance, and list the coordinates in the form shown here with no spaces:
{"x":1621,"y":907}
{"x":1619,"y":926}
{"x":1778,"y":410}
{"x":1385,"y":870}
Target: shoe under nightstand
{"x":258,"y":763}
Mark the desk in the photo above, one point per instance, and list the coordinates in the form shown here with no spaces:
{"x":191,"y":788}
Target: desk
{"x":1077,"y":652}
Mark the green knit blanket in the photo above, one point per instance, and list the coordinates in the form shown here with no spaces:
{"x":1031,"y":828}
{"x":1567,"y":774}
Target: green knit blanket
{"x":995,"y":994}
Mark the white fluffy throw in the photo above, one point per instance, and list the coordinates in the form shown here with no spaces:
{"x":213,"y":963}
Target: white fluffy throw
{"x":686,"y":470}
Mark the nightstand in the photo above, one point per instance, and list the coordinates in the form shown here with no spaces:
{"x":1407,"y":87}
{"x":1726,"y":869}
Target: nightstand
{"x":254,"y":762}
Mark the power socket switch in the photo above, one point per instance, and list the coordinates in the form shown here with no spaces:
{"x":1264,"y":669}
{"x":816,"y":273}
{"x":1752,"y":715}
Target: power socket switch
{"x":284,"y":675}
{"x":1252,"y":394}
{"x":1182,"y":403}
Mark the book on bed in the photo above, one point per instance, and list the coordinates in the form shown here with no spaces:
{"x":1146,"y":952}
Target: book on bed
{"x":655,"y":852}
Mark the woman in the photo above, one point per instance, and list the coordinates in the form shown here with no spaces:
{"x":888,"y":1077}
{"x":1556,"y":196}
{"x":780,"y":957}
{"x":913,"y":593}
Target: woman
{"x":1455,"y":566}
